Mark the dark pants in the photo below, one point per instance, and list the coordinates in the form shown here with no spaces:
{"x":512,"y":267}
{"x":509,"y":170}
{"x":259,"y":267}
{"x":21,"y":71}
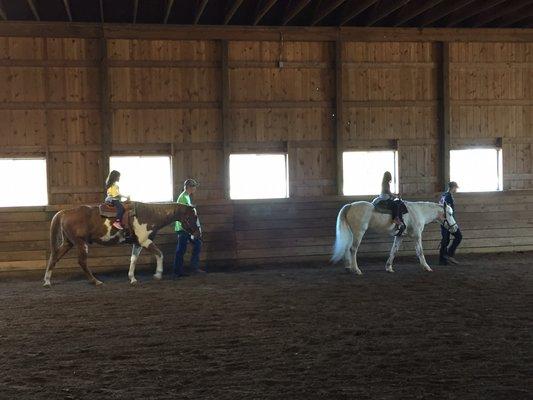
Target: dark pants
{"x":120,"y":209}
{"x":394,"y":206}
{"x":183,"y":240}
{"x":444,"y":250}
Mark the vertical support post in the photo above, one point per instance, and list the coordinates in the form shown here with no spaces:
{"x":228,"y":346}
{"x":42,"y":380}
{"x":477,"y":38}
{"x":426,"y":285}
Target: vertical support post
{"x":46,"y":88}
{"x":105,"y":112}
{"x":444,"y":114}
{"x":225,"y":104}
{"x":339,"y":112}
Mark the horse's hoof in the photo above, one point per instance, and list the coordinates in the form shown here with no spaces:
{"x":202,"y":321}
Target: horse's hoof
{"x":134,"y":282}
{"x":429,"y":269}
{"x":98,"y":283}
{"x":390,"y":271}
{"x":157,"y":277}
{"x":47,"y":285}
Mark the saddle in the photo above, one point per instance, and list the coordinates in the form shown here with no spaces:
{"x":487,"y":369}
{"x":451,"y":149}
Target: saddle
{"x":109,"y":211}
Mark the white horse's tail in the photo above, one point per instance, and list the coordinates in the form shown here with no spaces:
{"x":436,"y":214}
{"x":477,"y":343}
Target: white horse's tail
{"x":344,"y":236}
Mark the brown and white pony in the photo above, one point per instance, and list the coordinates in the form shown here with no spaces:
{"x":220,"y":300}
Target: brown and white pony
{"x":80,"y":226}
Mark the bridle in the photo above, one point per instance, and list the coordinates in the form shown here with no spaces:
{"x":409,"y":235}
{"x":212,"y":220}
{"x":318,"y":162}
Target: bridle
{"x":446,"y":224}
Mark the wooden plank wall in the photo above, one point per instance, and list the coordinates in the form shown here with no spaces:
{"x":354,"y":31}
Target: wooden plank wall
{"x":165,"y":97}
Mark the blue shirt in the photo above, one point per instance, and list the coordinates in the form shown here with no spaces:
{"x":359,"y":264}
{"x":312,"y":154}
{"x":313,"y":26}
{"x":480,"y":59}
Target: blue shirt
{"x":448,"y":199}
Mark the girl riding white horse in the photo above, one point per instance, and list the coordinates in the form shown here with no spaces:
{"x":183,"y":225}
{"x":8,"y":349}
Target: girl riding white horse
{"x":356,"y":218}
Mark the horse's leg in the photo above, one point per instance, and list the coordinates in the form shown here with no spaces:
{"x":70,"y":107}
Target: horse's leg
{"x":55,"y":256}
{"x":152,"y":248}
{"x":133,"y":262}
{"x":420,"y":253}
{"x":357,"y":238}
{"x":393,"y":251}
{"x":83,"y":250}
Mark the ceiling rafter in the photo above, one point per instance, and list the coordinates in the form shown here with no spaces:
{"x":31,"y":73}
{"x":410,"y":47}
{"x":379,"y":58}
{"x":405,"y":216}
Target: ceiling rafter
{"x":200,"y":11}
{"x":295,"y":11}
{"x":441,"y":12}
{"x":413,"y":10}
{"x":352,"y":12}
{"x":264,"y":10}
{"x":461,"y":15}
{"x":384,"y":12}
{"x":321,"y":14}
{"x":66,"y":3}
{"x":31,"y":4}
{"x":170,"y":3}
{"x":231,"y":12}
{"x":487,"y":17}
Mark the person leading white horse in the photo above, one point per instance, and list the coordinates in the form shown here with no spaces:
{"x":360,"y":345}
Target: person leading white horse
{"x":355,"y":219}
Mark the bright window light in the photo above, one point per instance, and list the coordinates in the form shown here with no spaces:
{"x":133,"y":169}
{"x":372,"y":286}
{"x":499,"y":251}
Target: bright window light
{"x":258,"y":176}
{"x":363,"y":171}
{"x":23,"y":182}
{"x":477,"y":170}
{"x":144,"y":178}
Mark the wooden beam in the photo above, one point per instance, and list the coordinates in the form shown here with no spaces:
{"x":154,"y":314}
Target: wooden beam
{"x":200,"y":11}
{"x":231,"y":12}
{"x":414,"y":10}
{"x":31,"y":4}
{"x":386,"y":11}
{"x":264,"y":10}
{"x":339,"y":113}
{"x":295,"y":11}
{"x":443,"y":11}
{"x":66,"y":3}
{"x":135,"y":9}
{"x":101,"y":3}
{"x":3,"y":12}
{"x":170,"y":3}
{"x":488,"y":16}
{"x":326,"y":11}
{"x":225,"y":104}
{"x":444,"y":125}
{"x":356,"y":10}
{"x":105,"y":108}
{"x":463,"y":15}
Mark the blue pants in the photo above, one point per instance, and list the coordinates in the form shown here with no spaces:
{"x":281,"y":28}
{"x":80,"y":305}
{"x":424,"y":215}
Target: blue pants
{"x":444,"y":250}
{"x":120,"y":209}
{"x":181,"y":248}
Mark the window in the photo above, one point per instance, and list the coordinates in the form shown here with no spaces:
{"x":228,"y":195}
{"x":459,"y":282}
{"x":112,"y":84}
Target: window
{"x":23,"y":182}
{"x":144,"y":178}
{"x":477,"y":170}
{"x":258,"y":176}
{"x":363,"y":171}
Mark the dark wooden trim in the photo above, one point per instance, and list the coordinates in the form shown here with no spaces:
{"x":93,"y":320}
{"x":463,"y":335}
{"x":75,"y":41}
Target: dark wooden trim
{"x":163,"y":64}
{"x":200,"y":11}
{"x":291,"y":13}
{"x":444,"y":114}
{"x":35,"y":63}
{"x":46,"y":87}
{"x":231,"y":12}
{"x":154,"y":105}
{"x":339,"y":113}
{"x":59,"y":105}
{"x":225,"y":114}
{"x":101,"y":8}
{"x":260,"y":33}
{"x":66,"y":3}
{"x":263,"y":11}
{"x":282,"y":104}
{"x":390,"y":103}
{"x":105,"y":111}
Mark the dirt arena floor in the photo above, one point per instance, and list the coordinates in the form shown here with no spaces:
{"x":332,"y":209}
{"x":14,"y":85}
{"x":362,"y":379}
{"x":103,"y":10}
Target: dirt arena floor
{"x":275,"y":333}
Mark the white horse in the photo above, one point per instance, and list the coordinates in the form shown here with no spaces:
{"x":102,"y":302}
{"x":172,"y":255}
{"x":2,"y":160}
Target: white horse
{"x":356,"y":218}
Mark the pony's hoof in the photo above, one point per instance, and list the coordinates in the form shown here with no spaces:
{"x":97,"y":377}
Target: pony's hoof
{"x":157,"y":277}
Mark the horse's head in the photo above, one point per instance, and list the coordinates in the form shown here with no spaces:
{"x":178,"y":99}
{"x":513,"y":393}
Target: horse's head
{"x":191,"y":223}
{"x":446,"y":218}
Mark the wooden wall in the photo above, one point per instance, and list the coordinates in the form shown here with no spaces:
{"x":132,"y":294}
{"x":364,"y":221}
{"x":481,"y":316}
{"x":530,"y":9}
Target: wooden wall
{"x":79,"y":96}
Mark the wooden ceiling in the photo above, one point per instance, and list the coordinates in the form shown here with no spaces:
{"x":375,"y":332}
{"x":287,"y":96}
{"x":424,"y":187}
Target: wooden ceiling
{"x":381,"y":13}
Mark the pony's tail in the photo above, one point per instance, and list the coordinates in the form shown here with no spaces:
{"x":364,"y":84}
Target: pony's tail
{"x":344,"y":236}
{"x":56,"y":235}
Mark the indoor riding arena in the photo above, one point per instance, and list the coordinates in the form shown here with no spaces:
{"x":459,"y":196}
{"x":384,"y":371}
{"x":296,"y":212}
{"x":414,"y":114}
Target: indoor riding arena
{"x":276,"y":114}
